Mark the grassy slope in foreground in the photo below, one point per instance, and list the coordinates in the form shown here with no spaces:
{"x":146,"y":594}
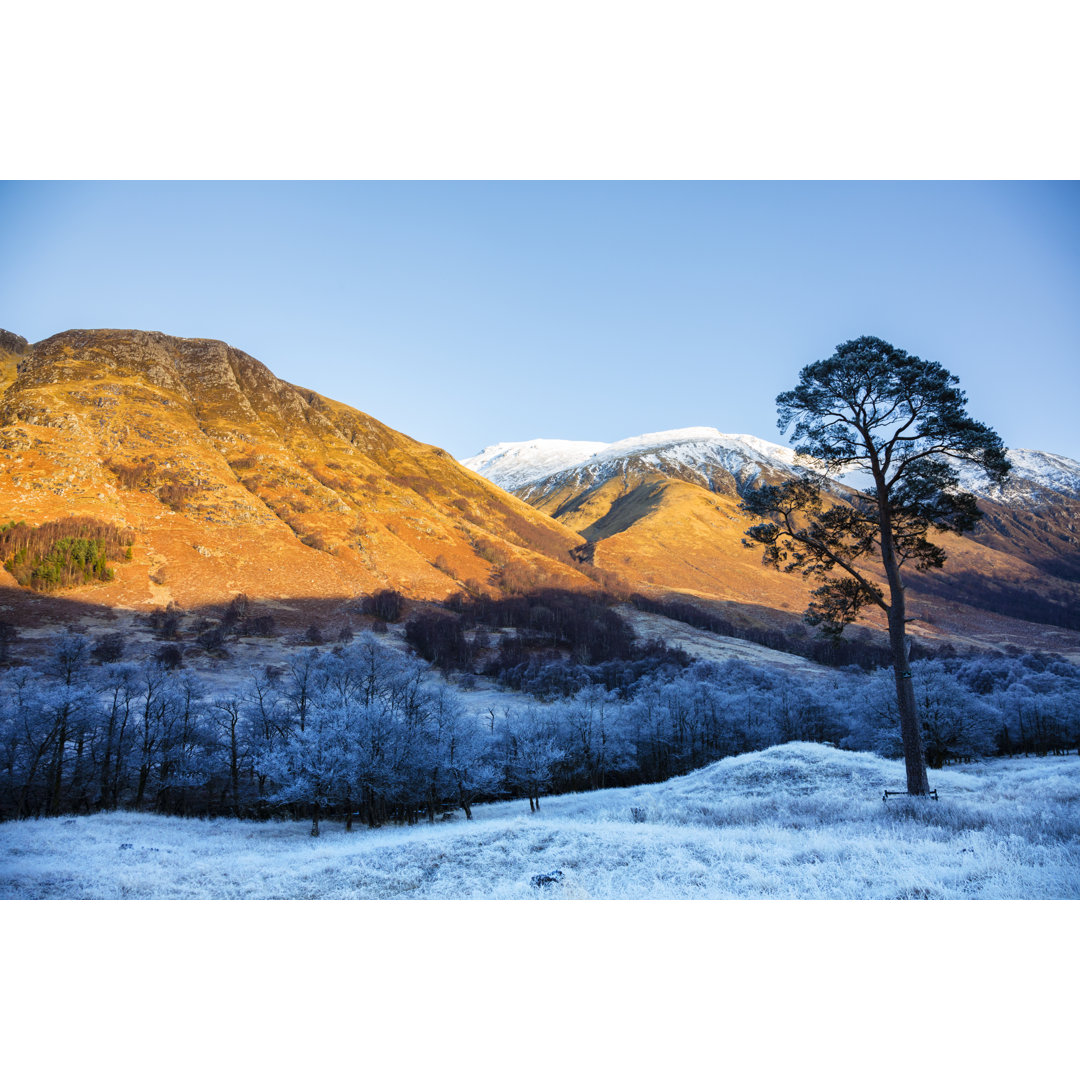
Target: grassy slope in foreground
{"x":794,"y":821}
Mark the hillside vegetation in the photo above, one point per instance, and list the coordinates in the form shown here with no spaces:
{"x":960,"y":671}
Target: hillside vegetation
{"x":63,"y":554}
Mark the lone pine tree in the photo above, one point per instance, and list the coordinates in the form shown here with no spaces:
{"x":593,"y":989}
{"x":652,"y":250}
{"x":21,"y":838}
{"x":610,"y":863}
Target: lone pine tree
{"x":873,"y":408}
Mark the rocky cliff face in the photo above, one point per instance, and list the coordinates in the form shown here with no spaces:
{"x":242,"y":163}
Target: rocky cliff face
{"x":236,"y":481}
{"x":12,"y":349}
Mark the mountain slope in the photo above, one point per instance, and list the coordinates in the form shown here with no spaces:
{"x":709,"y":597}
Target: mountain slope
{"x":663,"y":510}
{"x":234,"y":480}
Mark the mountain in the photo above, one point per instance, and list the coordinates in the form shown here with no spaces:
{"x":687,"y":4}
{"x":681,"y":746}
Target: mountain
{"x":1035,"y":515}
{"x":699,"y":455}
{"x":663,"y":510}
{"x":232,"y":480}
{"x":514,"y":464}
{"x":1036,"y":477}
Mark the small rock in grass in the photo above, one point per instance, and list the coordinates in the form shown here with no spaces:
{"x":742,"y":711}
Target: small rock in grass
{"x":542,"y":881}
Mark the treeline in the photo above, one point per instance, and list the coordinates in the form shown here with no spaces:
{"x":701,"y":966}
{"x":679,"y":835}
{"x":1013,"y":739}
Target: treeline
{"x":975,"y":706}
{"x":359,"y":730}
{"x":558,"y":636}
{"x":64,"y":553}
{"x":363,"y":731}
{"x":584,"y":626}
{"x":1058,"y":608}
{"x":355,"y":730}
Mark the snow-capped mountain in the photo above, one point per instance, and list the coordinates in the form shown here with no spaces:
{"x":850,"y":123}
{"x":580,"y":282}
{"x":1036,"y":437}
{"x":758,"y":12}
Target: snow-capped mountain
{"x":514,"y":464}
{"x":1034,"y":473}
{"x":696,"y":454}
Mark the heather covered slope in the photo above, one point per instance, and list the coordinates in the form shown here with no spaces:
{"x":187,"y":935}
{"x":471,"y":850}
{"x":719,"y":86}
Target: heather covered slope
{"x":799,"y":820}
{"x":235,"y":481}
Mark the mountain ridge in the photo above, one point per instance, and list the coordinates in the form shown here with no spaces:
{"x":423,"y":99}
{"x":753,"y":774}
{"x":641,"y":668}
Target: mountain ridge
{"x":237,"y":481}
{"x":527,"y":464}
{"x":522,"y":464}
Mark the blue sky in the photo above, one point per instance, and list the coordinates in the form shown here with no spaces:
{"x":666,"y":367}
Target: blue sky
{"x":469,"y":313}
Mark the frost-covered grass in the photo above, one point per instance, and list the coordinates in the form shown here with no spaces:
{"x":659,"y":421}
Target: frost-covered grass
{"x":794,"y":821}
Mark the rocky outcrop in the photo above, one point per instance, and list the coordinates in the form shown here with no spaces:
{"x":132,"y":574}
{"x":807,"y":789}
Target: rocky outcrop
{"x":12,"y":343}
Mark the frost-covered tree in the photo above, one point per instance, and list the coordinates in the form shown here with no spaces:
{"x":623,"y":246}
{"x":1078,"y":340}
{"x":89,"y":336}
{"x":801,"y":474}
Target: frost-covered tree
{"x":227,"y":725}
{"x":593,"y":737}
{"x":467,"y":766}
{"x":265,"y":725}
{"x":902,"y":421}
{"x":68,"y":664}
{"x":116,"y":689}
{"x":534,"y":752}
{"x":151,"y":697}
{"x":316,"y":766}
{"x":29,"y":734}
{"x":954,"y":721}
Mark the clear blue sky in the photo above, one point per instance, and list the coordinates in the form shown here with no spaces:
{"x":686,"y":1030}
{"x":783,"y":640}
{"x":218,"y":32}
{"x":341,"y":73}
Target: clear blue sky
{"x":469,"y":313}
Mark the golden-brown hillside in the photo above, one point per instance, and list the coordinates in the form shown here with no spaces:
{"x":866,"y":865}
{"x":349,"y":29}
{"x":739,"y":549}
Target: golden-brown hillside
{"x":233,"y":480}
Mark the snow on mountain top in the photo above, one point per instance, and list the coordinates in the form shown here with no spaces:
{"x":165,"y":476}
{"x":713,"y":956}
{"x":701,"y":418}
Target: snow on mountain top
{"x":513,"y":465}
{"x":1029,"y":467}
{"x":708,"y":437}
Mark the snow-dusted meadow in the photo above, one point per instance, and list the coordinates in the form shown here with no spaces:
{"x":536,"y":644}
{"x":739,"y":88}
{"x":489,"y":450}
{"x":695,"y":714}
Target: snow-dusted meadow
{"x":798,"y":820}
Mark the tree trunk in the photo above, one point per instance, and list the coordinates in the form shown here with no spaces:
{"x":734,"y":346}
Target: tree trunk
{"x":234,"y":770}
{"x":52,"y":805}
{"x":914,"y":761}
{"x":144,"y":776}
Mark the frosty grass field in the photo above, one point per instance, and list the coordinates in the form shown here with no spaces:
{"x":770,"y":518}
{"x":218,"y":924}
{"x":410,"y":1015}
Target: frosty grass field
{"x":794,"y":821}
